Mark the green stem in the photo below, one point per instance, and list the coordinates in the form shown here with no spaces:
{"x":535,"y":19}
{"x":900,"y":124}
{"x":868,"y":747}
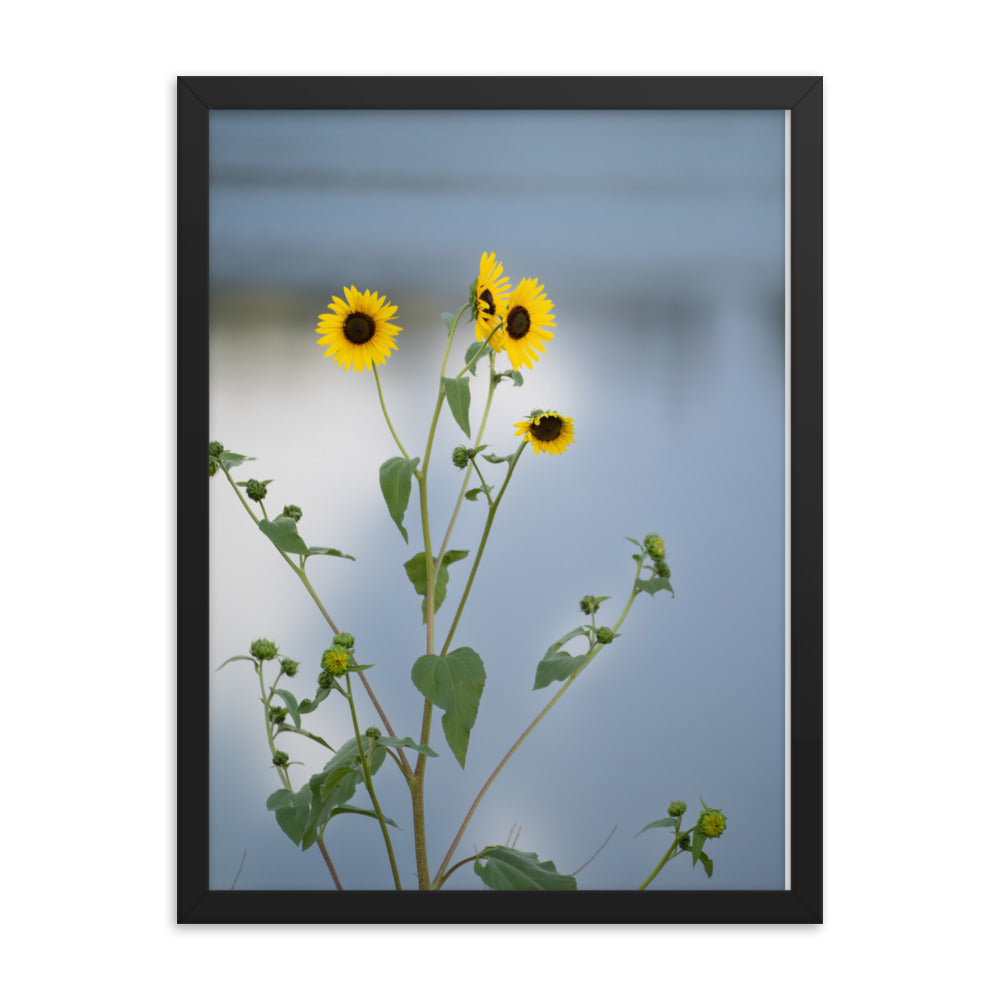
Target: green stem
{"x":666,"y":857}
{"x":300,"y":572}
{"x":266,"y":699}
{"x":326,"y":857}
{"x":482,"y":545}
{"x":455,"y":867}
{"x":475,"y":357}
{"x":366,"y":769}
{"x":385,"y":413}
{"x":468,"y":471}
{"x":591,"y":653}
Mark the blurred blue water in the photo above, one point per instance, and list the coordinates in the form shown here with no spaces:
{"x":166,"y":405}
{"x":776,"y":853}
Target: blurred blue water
{"x":660,"y":239}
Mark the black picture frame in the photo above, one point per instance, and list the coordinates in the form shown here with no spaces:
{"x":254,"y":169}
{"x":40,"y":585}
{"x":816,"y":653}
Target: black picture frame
{"x":802,"y":97}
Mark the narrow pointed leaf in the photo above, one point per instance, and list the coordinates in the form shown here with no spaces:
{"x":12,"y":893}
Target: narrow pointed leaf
{"x":697,"y":843}
{"x":706,"y":862}
{"x":406,"y":741}
{"x":507,"y":868}
{"x":471,"y":353}
{"x":455,"y":684}
{"x":667,"y":821}
{"x":459,"y":396}
{"x":232,"y":658}
{"x":285,"y":728}
{"x":395,"y":476}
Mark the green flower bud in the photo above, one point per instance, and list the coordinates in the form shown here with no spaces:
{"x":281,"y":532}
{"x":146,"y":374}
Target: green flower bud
{"x":280,"y":758}
{"x":373,"y":732}
{"x":662,"y":569}
{"x":292,"y":511}
{"x":590,"y":604}
{"x":263,"y":649}
{"x":460,"y":457}
{"x":215,"y":449}
{"x":685,"y":842}
{"x":344,"y":639}
{"x":278,"y":714}
{"x":256,"y":490}
{"x":604,"y":635}
{"x":289,"y":667}
{"x":677,"y":808}
{"x":325,"y":680}
{"x":654,"y":546}
{"x":212,"y":468}
{"x":336,"y":660}
{"x":711,"y":823}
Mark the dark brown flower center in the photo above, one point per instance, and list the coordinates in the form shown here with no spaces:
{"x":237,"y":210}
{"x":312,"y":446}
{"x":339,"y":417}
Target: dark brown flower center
{"x":491,"y":307}
{"x":518,"y":323}
{"x":547,"y":428}
{"x":359,"y":328}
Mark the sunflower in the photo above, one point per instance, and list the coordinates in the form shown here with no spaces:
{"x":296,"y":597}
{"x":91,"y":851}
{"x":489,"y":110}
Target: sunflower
{"x":526,"y":321}
{"x":492,"y":293}
{"x":547,"y":431}
{"x":358,"y":331}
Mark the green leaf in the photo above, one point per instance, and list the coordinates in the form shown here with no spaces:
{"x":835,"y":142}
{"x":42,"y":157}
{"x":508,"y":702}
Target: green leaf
{"x":285,"y":534}
{"x":285,"y":728}
{"x":395,"y":476}
{"x":448,"y":319}
{"x":459,"y":396}
{"x":472,"y":351}
{"x":667,"y":821}
{"x":516,"y":377}
{"x":362,"y":812}
{"x":497,"y":459}
{"x":406,"y":741}
{"x":229,"y":459}
{"x":706,"y":862}
{"x":474,"y":493}
{"x":455,"y":684}
{"x":557,"y":666}
{"x":416,"y":570}
{"x":311,"y":704}
{"x":635,"y":541}
{"x":293,"y":706}
{"x":697,"y":843}
{"x":291,"y":810}
{"x":656,"y":584}
{"x":321,"y":550}
{"x":506,"y":868}
{"x":231,"y":658}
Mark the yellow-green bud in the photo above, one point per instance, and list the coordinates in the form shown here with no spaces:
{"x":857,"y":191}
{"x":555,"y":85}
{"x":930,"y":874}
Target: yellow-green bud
{"x":292,"y":511}
{"x":711,"y":823}
{"x":280,"y":758}
{"x":215,"y":449}
{"x":256,"y":490}
{"x":344,"y":639}
{"x":373,"y":732}
{"x":604,"y":635}
{"x":661,"y":569}
{"x":677,"y":808}
{"x":654,"y":546}
{"x":263,"y":649}
{"x":336,"y":660}
{"x":460,"y":457}
{"x":325,"y":680}
{"x":289,"y":667}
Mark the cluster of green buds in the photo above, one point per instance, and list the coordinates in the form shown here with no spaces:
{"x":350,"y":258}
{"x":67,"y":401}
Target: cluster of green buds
{"x":604,"y":635}
{"x":292,"y":511}
{"x":215,"y":450}
{"x":289,"y":667}
{"x":460,"y":457}
{"x":373,"y":733}
{"x":263,"y":649}
{"x":654,"y":548}
{"x":278,"y":714}
{"x":677,"y":808}
{"x":280,"y":758}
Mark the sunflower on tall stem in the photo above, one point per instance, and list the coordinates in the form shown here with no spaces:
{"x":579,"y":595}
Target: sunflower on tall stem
{"x":359,"y":334}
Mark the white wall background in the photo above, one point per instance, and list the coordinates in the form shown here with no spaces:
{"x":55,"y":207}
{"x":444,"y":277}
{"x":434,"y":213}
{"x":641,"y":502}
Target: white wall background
{"x":911,"y":542}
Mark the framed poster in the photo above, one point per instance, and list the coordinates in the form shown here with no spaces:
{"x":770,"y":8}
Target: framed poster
{"x":551,"y":350}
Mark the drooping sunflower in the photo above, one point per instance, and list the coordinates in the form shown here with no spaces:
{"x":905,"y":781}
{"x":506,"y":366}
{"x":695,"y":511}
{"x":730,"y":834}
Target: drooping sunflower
{"x":526,"y":323}
{"x":547,"y":431}
{"x":492,"y":293}
{"x":358,"y":330}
